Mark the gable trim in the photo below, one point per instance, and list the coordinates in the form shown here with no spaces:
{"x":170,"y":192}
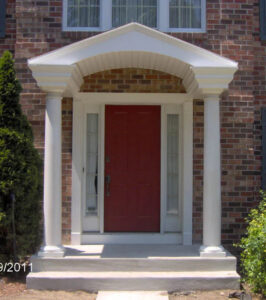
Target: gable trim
{"x":133,"y":45}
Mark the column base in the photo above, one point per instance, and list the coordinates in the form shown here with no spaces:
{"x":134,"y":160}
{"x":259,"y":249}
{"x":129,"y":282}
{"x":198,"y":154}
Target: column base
{"x":52,"y":251}
{"x":75,"y":238}
{"x":187,"y":238}
{"x":212,"y":251}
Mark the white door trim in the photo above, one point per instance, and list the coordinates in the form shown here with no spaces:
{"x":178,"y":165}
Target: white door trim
{"x":101,"y":165}
{"x":76,"y":209}
{"x":132,"y":98}
{"x":84,"y":103}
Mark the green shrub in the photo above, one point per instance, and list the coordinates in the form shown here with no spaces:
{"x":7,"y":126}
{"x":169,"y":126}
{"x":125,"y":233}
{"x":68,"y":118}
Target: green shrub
{"x":253,"y":256}
{"x":20,"y":167}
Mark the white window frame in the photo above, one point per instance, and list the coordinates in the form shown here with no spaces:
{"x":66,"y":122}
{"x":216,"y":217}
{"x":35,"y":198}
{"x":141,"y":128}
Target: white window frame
{"x":89,"y":220}
{"x":162,"y":18}
{"x":170,"y":222}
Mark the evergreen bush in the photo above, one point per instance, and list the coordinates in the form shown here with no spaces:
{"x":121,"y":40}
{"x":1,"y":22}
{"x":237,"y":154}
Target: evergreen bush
{"x":253,"y":256}
{"x":20,"y":170}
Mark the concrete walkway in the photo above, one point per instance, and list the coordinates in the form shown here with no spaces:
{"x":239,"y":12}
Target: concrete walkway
{"x":139,"y":295}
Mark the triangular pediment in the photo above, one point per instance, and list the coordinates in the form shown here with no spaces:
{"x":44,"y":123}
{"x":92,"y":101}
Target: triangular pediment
{"x":134,"y":37}
{"x":135,"y":45}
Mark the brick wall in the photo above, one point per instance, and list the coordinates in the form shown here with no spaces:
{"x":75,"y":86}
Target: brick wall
{"x":198,"y":132}
{"x":67,"y":108}
{"x":34,"y":27}
{"x":132,"y":80}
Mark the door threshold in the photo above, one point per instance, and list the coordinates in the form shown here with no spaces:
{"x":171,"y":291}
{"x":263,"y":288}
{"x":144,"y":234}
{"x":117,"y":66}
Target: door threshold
{"x":131,"y":238}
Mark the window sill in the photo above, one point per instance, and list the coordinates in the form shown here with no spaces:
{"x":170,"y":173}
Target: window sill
{"x":99,"y":29}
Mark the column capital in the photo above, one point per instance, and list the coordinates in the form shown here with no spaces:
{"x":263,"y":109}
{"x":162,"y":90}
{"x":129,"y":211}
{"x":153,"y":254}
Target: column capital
{"x":211,"y":97}
{"x":54,"y":96}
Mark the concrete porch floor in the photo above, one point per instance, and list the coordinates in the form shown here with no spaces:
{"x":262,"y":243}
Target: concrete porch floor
{"x":133,"y":267}
{"x":132,"y":251}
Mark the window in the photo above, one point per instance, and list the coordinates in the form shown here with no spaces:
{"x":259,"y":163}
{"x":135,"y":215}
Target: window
{"x":185,"y":14}
{"x":83,"y":13}
{"x":2,"y":18}
{"x":172,"y":164}
{"x":164,"y":15}
{"x":92,"y":165}
{"x":141,"y":11}
{"x":263,"y":20}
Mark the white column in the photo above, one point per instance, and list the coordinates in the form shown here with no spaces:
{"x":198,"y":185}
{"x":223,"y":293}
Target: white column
{"x":212,"y":180}
{"x":52,"y":178}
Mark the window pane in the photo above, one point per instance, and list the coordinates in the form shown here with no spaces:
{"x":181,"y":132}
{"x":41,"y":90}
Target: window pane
{"x":72,"y":17}
{"x":185,"y":14}
{"x":141,"y":11}
{"x":92,"y":203}
{"x":92,"y":164}
{"x":172,"y":163}
{"x":83,"y":13}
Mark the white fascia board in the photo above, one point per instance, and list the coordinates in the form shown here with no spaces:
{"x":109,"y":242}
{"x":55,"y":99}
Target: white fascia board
{"x":56,"y":78}
{"x":214,"y":80}
{"x":206,"y":91}
{"x":50,"y":68}
{"x":54,"y":88}
{"x":134,"y":37}
{"x":201,"y":71}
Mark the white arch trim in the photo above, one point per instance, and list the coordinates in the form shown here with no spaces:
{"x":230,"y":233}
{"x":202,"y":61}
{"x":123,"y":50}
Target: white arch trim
{"x":133,"y":45}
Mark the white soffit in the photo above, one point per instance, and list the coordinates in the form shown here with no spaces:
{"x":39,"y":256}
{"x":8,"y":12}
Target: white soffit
{"x":133,"y":45}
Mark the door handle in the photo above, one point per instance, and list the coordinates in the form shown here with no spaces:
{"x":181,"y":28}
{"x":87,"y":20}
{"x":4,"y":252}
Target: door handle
{"x":107,"y":183}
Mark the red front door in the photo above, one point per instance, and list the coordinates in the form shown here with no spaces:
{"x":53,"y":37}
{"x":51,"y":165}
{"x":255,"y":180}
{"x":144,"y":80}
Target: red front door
{"x":132,"y":169}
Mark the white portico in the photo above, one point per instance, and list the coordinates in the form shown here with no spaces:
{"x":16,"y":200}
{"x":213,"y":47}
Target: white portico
{"x":205,"y":76}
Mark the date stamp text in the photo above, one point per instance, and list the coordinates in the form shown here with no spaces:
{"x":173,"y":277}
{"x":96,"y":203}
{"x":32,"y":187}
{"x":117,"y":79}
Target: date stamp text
{"x":14,"y":267}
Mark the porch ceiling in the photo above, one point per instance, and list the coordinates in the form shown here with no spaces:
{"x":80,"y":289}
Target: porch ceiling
{"x":133,"y":45}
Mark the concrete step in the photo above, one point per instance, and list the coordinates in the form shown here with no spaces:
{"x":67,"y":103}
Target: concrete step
{"x":136,"y":258}
{"x":132,"y":295}
{"x":131,"y":281}
{"x":154,"y":264}
{"x":88,"y":238}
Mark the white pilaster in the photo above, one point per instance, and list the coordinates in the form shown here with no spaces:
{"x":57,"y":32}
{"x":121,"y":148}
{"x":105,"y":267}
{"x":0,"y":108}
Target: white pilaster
{"x":77,"y":166}
{"x":212,"y":180}
{"x":52,"y":178}
{"x":187,"y":171}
